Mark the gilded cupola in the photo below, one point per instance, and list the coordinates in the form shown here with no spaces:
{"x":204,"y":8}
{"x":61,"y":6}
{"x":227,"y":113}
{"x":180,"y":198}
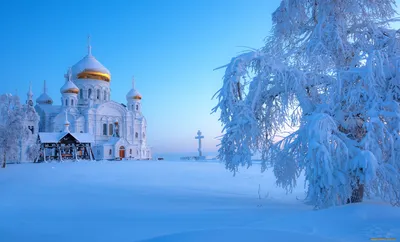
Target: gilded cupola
{"x":69,"y":86}
{"x":90,"y":68}
{"x":133,"y":93}
{"x":44,"y":98}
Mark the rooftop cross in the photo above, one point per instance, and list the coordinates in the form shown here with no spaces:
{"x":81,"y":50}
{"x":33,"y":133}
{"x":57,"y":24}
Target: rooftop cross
{"x":69,"y":74}
{"x":44,"y":87}
{"x":30,"y":94}
{"x":89,"y":46}
{"x":133,"y":82}
{"x":199,"y":137}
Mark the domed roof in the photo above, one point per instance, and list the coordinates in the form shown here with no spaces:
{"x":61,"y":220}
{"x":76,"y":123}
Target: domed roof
{"x":90,"y":68}
{"x":69,"y":86}
{"x":44,"y":98}
{"x":133,"y":93}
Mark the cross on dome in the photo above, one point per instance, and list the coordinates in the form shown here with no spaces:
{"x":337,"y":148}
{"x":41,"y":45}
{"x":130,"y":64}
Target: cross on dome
{"x":44,"y":87}
{"x":69,"y":74}
{"x":69,"y":86}
{"x":89,"y":46}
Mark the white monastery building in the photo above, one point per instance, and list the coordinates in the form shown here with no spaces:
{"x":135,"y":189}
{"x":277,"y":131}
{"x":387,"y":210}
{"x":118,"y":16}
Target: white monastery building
{"x":88,"y":124}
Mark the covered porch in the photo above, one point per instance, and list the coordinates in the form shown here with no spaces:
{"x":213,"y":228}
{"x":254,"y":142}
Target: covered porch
{"x":65,"y":146}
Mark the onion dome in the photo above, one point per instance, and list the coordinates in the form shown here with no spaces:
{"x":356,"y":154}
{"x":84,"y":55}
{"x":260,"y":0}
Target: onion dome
{"x":69,"y":86}
{"x":133,"y":93}
{"x":44,"y":98}
{"x":90,"y":68}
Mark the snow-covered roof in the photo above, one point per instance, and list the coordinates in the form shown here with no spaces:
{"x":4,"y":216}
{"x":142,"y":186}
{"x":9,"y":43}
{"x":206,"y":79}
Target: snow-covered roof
{"x":112,"y":141}
{"x":89,"y":62}
{"x":44,"y":99}
{"x":69,"y":87}
{"x":54,"y":137}
{"x":83,"y":137}
{"x":133,"y":93}
{"x":49,"y":137}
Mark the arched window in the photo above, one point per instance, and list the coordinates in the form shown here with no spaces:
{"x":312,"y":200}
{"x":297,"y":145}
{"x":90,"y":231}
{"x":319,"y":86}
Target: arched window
{"x":130,"y":151}
{"x":116,"y":129}
{"x":137,"y":152}
{"x":144,"y":135}
{"x":137,"y":107}
{"x":110,"y":129}
{"x":136,"y":135}
{"x":80,"y":93}
{"x":105,"y":95}
{"x":66,"y":102}
{"x":72,"y":102}
{"x":104,"y":129}
{"x":89,"y":93}
{"x":110,"y":152}
{"x":98,"y":94}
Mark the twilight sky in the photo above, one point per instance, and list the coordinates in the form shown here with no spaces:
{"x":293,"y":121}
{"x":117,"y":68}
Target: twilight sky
{"x":171,"y":47}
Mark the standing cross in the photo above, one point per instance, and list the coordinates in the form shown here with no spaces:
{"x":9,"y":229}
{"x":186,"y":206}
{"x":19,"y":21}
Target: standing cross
{"x":199,"y":137}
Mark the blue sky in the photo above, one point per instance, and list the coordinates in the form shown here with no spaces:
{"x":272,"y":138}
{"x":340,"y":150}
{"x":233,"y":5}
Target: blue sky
{"x":171,"y":47}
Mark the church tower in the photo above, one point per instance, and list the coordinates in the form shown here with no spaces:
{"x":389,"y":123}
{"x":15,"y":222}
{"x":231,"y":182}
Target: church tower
{"x":69,"y":92}
{"x":31,"y":121}
{"x":134,"y":99}
{"x":92,"y":79}
{"x":29,"y":94}
{"x":44,"y":98}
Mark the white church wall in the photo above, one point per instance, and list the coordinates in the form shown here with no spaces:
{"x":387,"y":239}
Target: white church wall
{"x":89,"y":89}
{"x":108,"y":152}
{"x":59,"y":121}
{"x":92,"y":112}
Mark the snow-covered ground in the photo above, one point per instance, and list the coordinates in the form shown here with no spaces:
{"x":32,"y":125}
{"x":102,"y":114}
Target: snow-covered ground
{"x":171,"y":201}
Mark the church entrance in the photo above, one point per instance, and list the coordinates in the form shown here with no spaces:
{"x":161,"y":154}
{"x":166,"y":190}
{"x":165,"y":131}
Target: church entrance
{"x":121,"y":152}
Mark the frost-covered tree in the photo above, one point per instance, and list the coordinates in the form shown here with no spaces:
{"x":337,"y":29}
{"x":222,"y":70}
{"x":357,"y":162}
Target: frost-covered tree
{"x":12,"y":128}
{"x":28,"y":138}
{"x":32,"y":152}
{"x":331,"y":70}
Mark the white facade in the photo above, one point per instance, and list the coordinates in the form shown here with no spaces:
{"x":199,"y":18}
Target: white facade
{"x":118,"y":130}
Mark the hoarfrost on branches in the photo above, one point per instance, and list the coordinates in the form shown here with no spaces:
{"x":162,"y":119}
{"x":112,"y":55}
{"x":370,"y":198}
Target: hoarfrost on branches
{"x":12,"y":128}
{"x":332,"y":70}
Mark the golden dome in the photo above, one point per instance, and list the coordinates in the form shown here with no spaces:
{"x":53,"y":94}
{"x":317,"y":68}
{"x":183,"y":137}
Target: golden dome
{"x":133,"y":93}
{"x":92,"y":74}
{"x":44,"y":98}
{"x":72,"y":90}
{"x":90,"y":68}
{"x":137,"y":97}
{"x":69,"y":86}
